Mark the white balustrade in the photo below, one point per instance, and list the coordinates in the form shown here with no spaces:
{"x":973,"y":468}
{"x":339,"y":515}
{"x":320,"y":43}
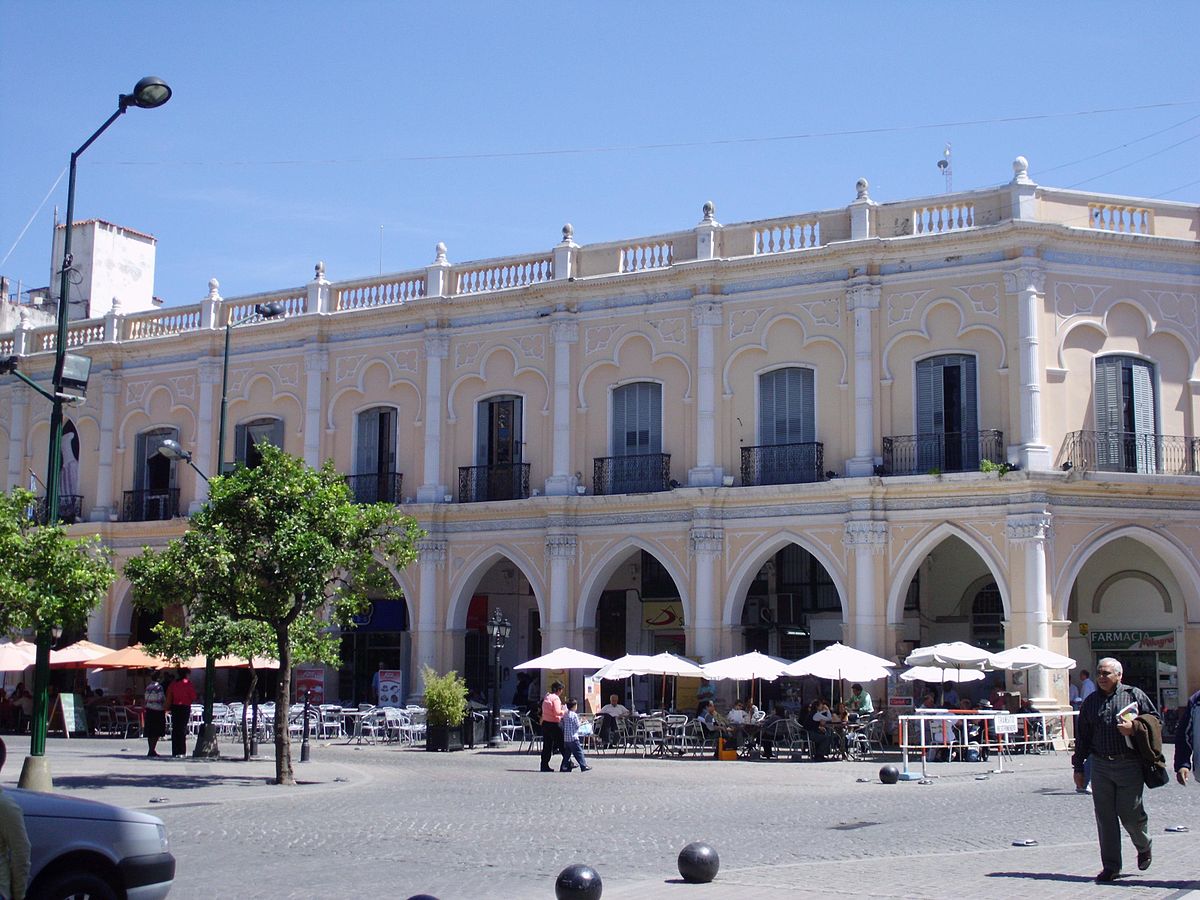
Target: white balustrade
{"x":779,"y":237}
{"x":160,"y":324}
{"x":7,"y":345}
{"x":509,"y":274}
{"x":941,"y":217}
{"x":647,"y":255}
{"x":294,"y":304}
{"x":380,"y":293}
{"x":1123,"y":219}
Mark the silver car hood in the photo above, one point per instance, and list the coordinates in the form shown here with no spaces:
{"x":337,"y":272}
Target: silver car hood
{"x":63,"y":806}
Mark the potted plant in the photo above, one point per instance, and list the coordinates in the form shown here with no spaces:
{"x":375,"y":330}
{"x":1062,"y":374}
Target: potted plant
{"x":445,"y":709}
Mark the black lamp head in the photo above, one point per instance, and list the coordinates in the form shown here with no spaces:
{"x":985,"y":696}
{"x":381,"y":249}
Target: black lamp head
{"x":149,"y":93}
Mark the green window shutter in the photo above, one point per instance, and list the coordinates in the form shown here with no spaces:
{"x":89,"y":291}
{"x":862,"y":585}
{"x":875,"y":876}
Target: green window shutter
{"x":1144,"y":416}
{"x":367,"y":457}
{"x":483,"y":432}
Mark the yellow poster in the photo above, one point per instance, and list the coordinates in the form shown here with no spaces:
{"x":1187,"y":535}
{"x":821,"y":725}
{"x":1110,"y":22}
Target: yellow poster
{"x":663,"y":614}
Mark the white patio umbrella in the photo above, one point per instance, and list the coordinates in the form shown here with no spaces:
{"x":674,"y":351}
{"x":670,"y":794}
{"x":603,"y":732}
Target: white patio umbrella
{"x":940,"y":675}
{"x":842,"y":662}
{"x":624,"y":667}
{"x":1030,"y":656}
{"x":955,"y":654}
{"x":17,"y":656}
{"x":565,"y":658}
{"x":745,"y":667}
{"x":77,"y":655}
{"x":660,"y":664}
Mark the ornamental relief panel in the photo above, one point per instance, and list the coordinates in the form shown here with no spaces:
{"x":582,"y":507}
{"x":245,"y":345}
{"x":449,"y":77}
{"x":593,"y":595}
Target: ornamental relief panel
{"x":183,"y":389}
{"x":287,"y":374}
{"x":466,"y":353}
{"x":672,"y":331}
{"x":984,"y":298}
{"x":745,"y":321}
{"x":532,"y":346}
{"x":827,"y":312}
{"x":346,"y":368}
{"x":597,"y":338}
{"x":900,"y":307}
{"x":405,"y":360}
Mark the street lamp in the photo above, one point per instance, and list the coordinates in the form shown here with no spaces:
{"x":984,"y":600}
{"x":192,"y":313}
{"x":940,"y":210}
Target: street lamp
{"x":175,"y":450}
{"x":498,"y":629}
{"x":149,"y":93}
{"x":206,"y":741}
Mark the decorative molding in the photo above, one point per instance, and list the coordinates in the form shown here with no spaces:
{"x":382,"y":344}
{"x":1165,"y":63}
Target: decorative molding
{"x":532,"y":346}
{"x":598,"y":337}
{"x":431,"y":552}
{"x":744,"y":321}
{"x":900,"y":306}
{"x":564,"y":332}
{"x":288,"y":374}
{"x":135,"y":391}
{"x":1077,"y":298}
{"x":707,"y":313}
{"x":707,"y":540}
{"x":1027,"y":527}
{"x":316,"y":361}
{"x":868,"y":534}
{"x":863,"y":296}
{"x":437,"y":346}
{"x":1025,"y":278}
{"x":672,"y":330}
{"x":347,"y":368}
{"x":1178,"y":308}
{"x":466,"y":353}
{"x":561,"y":546}
{"x":824,"y":312}
{"x":183,"y":388}
{"x":985,"y":298}
{"x":405,"y":360}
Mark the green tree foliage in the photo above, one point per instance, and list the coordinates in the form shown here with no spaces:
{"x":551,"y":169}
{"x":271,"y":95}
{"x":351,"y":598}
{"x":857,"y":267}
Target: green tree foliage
{"x":46,"y":578}
{"x":277,"y":555}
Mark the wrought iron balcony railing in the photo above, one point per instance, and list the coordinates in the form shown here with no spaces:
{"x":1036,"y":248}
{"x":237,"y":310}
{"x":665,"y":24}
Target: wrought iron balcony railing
{"x":377,"y":487}
{"x":508,"y":481}
{"x":783,"y":463}
{"x":70,"y":509}
{"x":645,"y":473}
{"x":1128,"y":451}
{"x":150,"y":506}
{"x":922,"y":454}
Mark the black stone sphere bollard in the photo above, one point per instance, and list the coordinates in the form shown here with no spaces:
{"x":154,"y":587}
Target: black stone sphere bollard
{"x":422,"y":897}
{"x":698,"y":863}
{"x":578,"y":882}
{"x":889,"y":774}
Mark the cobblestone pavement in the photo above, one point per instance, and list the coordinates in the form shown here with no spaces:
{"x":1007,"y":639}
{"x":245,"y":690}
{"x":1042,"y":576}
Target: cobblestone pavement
{"x":380,"y":821}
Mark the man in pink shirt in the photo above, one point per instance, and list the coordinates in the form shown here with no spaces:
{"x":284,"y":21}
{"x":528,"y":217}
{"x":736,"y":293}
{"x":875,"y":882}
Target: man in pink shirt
{"x":552,"y":735}
{"x":180,"y":697}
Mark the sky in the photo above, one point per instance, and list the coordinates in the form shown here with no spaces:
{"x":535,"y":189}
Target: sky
{"x":363,"y":133}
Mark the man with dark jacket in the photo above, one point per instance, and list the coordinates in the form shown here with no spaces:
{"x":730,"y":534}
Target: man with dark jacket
{"x":1103,"y":733}
{"x":1187,"y":745}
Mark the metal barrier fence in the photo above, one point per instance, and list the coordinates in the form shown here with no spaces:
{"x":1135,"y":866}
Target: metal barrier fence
{"x":947,"y":735}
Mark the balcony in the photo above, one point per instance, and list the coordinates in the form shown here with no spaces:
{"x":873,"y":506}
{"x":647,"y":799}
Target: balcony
{"x":508,"y":481}
{"x":377,"y":487}
{"x":70,"y":509}
{"x":150,"y":506}
{"x":645,"y":473}
{"x":783,"y":464}
{"x":933,"y":454}
{"x":1127,"y":451}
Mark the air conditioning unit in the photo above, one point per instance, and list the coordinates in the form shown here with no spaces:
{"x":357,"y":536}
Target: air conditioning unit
{"x":758,"y":611}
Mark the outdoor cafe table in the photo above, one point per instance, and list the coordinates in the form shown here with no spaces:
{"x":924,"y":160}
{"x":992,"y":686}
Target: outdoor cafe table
{"x":354,"y":719}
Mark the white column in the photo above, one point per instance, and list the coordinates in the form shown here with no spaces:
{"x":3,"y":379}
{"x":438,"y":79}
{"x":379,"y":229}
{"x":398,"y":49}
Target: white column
{"x":860,"y":212}
{"x":867,"y":539}
{"x":561,"y":550}
{"x":1028,"y":283}
{"x":561,"y":481}
{"x":706,"y":316}
{"x":18,"y":399}
{"x":431,"y":556}
{"x":863,"y":300}
{"x":565,"y":254}
{"x":318,"y":291}
{"x":108,"y":441}
{"x":437,"y":348}
{"x":209,"y":371}
{"x":706,"y":543}
{"x":1030,"y":531}
{"x":316,"y":364}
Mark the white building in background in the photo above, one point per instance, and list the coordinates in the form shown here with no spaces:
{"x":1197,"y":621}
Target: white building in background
{"x":971,"y":416}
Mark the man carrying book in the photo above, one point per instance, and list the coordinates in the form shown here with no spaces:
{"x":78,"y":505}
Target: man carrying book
{"x":1102,"y":735}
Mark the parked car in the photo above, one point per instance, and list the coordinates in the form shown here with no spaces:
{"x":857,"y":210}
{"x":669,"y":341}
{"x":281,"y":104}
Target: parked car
{"x":86,"y":849}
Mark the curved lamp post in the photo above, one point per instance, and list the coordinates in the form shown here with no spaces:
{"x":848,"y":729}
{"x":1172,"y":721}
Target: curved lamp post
{"x":498,"y":630}
{"x":149,"y":93}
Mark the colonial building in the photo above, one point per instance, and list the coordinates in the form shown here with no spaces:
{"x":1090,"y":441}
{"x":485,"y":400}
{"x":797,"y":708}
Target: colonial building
{"x":970,"y":417}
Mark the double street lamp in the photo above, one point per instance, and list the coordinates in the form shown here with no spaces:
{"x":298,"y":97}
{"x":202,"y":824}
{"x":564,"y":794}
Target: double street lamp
{"x":206,"y":741}
{"x":149,"y":93}
{"x":498,"y":630}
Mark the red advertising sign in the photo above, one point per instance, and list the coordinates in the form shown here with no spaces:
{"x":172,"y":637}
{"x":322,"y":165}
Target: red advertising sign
{"x":309,"y":678}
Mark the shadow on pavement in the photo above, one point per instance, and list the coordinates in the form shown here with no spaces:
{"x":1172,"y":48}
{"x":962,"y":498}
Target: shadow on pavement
{"x":1129,"y":880}
{"x":157,"y":781}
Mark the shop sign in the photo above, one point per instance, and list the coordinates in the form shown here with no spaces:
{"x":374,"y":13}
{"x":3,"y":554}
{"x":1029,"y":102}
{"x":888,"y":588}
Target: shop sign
{"x":310,"y":678}
{"x":1132,"y":640}
{"x":391,"y":687}
{"x":662,"y":614}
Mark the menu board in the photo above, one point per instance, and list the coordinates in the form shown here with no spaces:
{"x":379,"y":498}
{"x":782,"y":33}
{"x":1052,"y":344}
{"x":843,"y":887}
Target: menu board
{"x":69,"y":710}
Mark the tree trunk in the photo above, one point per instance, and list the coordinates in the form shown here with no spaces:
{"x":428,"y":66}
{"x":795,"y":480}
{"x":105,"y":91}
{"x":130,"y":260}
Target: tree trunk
{"x":283,"y":705}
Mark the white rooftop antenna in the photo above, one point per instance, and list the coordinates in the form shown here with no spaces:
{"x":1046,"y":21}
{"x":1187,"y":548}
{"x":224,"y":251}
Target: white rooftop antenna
{"x":947,"y":169}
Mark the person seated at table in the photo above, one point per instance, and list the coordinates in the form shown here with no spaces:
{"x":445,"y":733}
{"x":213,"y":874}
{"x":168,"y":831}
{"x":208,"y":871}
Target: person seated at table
{"x":817,"y":721}
{"x":607,"y":719}
{"x":738,"y":715}
{"x":23,"y":701}
{"x":771,"y":729}
{"x":713,"y":725}
{"x":8,"y":713}
{"x":860,"y":701}
{"x":128,"y":698}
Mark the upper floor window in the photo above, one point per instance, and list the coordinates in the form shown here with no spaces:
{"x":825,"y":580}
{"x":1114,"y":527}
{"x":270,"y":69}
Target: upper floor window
{"x":154,"y":472}
{"x":498,"y":438}
{"x":947,"y":413}
{"x":251,"y":435}
{"x":376,"y":452}
{"x":1126,"y":413}
{"x":786,"y":407}
{"x":637,"y":419}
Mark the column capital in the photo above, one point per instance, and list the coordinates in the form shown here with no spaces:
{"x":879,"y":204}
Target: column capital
{"x":1025,"y":278}
{"x":561,"y":546}
{"x":112,"y":383}
{"x":863,"y":296}
{"x":437,"y":346}
{"x":316,"y":361}
{"x":563,"y":331}
{"x":866,"y":535}
{"x":208,"y":370}
{"x":1028,"y":527}
{"x":707,"y":313}
{"x":431,"y":552}
{"x":707,"y":540}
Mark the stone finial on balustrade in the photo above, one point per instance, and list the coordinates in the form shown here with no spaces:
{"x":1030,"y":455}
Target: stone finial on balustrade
{"x":1023,"y":190}
{"x":1021,"y":171}
{"x":860,"y":211}
{"x":209,"y":305}
{"x":21,"y":333}
{"x":437,"y":280}
{"x":706,"y":232}
{"x":564,"y":254}
{"x":112,"y":321}
{"x":708,"y":213}
{"x":318,"y":290}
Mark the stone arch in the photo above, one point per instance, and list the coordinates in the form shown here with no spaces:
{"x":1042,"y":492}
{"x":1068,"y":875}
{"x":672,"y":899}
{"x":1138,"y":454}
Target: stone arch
{"x":463,"y":587}
{"x":743,"y":574}
{"x":1164,"y":595}
{"x":913,"y":555}
{"x":591,"y":585}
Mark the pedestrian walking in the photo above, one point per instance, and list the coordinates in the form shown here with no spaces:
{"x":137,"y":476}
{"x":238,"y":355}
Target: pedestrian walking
{"x":15,"y":850}
{"x":1187,"y":740}
{"x":180,"y":697}
{"x":552,"y":734}
{"x":1105,"y":724}
{"x":155,"y":716}
{"x":572,"y":748}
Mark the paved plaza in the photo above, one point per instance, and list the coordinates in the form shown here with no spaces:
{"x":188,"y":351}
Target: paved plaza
{"x":380,"y":821}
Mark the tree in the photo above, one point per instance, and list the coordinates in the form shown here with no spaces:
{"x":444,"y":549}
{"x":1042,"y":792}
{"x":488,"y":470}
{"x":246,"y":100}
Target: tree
{"x":280,"y":550}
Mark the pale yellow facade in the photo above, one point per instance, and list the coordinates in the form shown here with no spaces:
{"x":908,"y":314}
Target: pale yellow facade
{"x":1008,"y":296}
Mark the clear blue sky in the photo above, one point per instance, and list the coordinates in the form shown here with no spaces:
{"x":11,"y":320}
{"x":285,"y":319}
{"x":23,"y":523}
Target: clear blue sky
{"x":296,"y":130}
